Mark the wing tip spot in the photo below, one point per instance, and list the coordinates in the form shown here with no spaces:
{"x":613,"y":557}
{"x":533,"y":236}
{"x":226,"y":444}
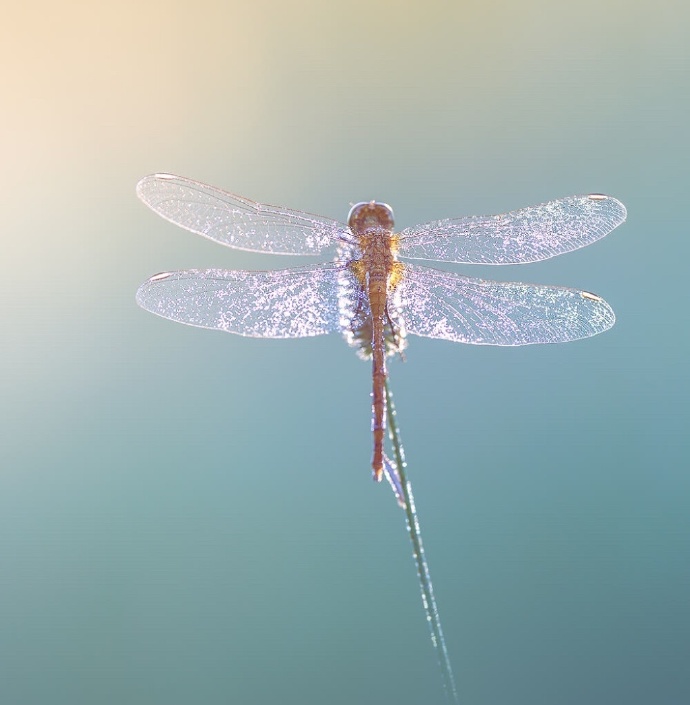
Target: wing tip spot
{"x":160,"y":277}
{"x":613,"y":204}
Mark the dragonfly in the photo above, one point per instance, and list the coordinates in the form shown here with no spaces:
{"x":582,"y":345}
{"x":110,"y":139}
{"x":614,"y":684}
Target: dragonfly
{"x":368,"y":291}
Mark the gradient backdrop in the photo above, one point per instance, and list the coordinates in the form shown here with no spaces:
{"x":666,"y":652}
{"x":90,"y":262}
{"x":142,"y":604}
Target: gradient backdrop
{"x":187,"y":516}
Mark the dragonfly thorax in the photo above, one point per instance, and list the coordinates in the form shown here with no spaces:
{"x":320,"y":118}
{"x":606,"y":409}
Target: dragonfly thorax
{"x":370,"y":215}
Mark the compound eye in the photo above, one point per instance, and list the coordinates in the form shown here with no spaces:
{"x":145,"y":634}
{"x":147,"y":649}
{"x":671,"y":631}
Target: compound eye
{"x":370,"y":215}
{"x":354,"y":211}
{"x":389,"y":211}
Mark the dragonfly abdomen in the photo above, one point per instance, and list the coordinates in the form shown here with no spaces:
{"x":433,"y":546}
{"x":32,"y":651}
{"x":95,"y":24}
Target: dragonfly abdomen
{"x":377,"y":302}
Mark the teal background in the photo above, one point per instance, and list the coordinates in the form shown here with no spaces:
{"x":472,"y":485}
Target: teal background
{"x":187,"y":516}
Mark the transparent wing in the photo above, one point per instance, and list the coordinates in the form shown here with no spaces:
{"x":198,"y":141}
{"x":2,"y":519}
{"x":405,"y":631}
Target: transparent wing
{"x":438,"y":304}
{"x":526,"y":235}
{"x":238,"y":222}
{"x":285,"y":303}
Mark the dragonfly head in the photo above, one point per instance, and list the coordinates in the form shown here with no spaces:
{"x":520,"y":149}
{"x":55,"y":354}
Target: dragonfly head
{"x":370,"y":215}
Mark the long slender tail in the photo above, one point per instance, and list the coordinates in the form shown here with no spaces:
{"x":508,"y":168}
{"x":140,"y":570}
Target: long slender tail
{"x":378,"y":397}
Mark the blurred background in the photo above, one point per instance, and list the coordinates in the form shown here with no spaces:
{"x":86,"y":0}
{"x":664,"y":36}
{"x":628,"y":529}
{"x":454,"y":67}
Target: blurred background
{"x":188,"y":516}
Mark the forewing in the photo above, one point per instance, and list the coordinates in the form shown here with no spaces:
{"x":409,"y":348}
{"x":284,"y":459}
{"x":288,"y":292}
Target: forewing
{"x":438,"y":304}
{"x":236,"y":221}
{"x":526,"y":235}
{"x":285,"y":303}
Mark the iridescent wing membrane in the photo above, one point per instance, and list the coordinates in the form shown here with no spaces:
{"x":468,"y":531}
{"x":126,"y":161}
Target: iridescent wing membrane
{"x":286,"y":303}
{"x":526,"y":235}
{"x":303,"y":301}
{"x":283,"y":303}
{"x":238,"y":222}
